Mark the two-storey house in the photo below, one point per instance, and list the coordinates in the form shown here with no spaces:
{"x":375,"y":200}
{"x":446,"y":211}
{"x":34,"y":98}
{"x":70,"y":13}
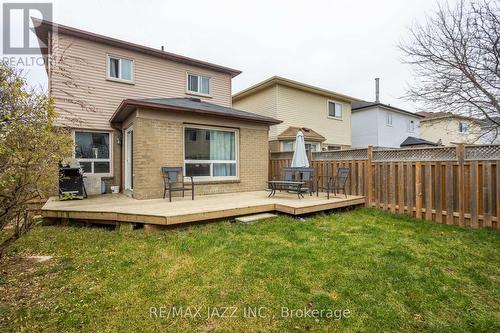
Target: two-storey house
{"x":382,"y":125}
{"x":134,"y":109}
{"x":323,"y":116}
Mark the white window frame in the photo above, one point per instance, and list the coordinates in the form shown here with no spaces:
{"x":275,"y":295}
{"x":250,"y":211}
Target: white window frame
{"x":212,"y":162}
{"x":328,"y":109}
{"x":119,"y":79}
{"x":110,"y":159}
{"x":191,"y":92}
{"x":388,"y":118}
{"x":410,"y":129}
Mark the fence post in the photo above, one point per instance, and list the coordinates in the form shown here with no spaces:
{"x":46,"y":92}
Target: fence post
{"x":369,"y":172}
{"x":461,"y":183}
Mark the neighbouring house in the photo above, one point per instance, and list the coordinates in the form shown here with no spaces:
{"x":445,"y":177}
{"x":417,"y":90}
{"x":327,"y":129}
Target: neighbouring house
{"x":134,"y":109}
{"x":448,"y":129}
{"x":324,"y":116}
{"x":383,"y":125}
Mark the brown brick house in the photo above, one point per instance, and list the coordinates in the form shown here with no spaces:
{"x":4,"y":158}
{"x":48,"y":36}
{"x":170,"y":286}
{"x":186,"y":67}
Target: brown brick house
{"x":133,"y":109}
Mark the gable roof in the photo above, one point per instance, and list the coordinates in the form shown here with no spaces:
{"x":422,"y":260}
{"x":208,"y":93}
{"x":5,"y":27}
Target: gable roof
{"x":364,"y":105}
{"x":309,"y":134}
{"x":42,"y":27}
{"x":275,"y":80}
{"x":187,"y":105}
{"x":413,"y":141}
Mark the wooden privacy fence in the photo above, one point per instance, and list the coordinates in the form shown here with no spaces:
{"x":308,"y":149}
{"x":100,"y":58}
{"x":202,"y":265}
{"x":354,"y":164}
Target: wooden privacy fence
{"x":450,"y":185}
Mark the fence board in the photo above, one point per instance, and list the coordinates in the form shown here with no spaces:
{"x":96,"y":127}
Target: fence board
{"x":428,"y":191}
{"x":401,"y":189}
{"x":474,"y":194}
{"x":437,"y":193}
{"x":487,"y":194}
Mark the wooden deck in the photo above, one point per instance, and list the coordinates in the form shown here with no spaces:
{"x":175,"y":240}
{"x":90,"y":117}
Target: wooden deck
{"x":120,"y":208}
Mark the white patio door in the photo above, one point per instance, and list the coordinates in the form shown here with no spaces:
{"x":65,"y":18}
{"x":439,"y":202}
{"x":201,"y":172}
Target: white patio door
{"x":129,"y":154}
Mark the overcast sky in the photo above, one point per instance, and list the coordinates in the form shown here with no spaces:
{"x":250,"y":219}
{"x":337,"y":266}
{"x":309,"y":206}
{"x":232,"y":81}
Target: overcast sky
{"x":338,"y":45}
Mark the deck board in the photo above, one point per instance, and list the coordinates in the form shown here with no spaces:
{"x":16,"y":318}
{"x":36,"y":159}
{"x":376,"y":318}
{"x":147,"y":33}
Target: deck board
{"x":120,"y":208}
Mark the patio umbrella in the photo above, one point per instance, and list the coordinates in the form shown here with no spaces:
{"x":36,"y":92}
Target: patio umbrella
{"x":299,"y":159}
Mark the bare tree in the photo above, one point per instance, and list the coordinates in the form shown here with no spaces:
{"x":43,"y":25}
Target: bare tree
{"x":455,"y":58}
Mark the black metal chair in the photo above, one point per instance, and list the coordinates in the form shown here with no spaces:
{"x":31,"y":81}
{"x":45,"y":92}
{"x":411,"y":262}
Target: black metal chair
{"x":340,"y":180}
{"x":173,"y":179}
{"x":328,"y":181}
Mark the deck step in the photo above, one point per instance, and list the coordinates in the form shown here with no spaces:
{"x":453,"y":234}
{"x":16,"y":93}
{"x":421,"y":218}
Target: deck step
{"x":254,"y":218}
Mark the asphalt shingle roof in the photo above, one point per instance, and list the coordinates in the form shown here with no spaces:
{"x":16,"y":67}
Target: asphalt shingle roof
{"x":194,"y":105}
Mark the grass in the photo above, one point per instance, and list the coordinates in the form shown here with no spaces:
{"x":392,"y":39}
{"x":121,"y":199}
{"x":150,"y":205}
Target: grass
{"x":389,"y":272}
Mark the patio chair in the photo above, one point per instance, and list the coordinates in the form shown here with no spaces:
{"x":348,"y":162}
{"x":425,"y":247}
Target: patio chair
{"x":339,"y":181}
{"x":328,"y":182}
{"x":173,"y":179}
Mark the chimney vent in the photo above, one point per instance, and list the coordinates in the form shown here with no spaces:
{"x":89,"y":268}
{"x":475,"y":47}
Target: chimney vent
{"x":377,"y":91}
{"x":163,"y":48}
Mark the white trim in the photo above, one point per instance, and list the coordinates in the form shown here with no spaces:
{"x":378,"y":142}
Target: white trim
{"x":190,"y":92}
{"x":388,"y":116}
{"x":127,"y":186}
{"x":328,"y":101}
{"x":110,"y":159}
{"x":409,"y":129}
{"x":120,"y":58}
{"x":236,"y":161}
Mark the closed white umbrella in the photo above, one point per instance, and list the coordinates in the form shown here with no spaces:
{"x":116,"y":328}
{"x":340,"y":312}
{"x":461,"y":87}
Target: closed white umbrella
{"x":299,"y":159}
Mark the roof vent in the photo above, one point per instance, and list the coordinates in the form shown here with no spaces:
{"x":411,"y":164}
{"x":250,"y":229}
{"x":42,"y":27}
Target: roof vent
{"x":193,"y":99}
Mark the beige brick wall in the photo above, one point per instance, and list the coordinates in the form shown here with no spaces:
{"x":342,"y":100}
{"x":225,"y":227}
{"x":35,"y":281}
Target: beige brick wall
{"x":159,"y":142}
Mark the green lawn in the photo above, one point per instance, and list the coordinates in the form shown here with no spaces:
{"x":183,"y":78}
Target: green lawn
{"x":380,"y":272}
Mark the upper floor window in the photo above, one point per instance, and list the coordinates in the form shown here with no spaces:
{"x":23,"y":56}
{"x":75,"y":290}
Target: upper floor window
{"x":334,"y":110}
{"x":198,"y":84}
{"x":120,"y":69}
{"x":388,"y":119}
{"x":411,"y":126}
{"x":93,"y":151}
{"x":463,"y":127}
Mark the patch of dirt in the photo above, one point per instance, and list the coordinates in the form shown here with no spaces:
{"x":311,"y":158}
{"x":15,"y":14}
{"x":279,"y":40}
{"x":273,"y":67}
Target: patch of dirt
{"x":21,"y":281}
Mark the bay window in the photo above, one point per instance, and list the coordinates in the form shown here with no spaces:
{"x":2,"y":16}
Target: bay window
{"x":210,"y":153}
{"x":93,"y":151}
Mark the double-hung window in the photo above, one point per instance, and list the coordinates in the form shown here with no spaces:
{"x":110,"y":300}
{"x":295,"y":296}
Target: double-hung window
{"x":210,"y":153}
{"x":411,"y":126}
{"x":120,"y":69}
{"x":93,"y":151}
{"x":388,"y":119}
{"x":198,"y":84}
{"x":334,"y":110}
